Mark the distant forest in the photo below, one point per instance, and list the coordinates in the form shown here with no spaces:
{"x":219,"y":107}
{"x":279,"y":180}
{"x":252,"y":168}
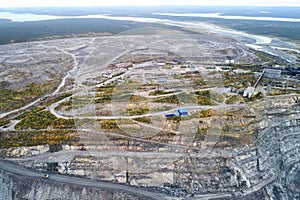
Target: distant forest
{"x":30,"y":31}
{"x":289,"y":30}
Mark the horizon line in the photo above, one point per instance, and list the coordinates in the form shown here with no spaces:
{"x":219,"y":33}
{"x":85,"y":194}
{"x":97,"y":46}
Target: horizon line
{"x":166,"y":5}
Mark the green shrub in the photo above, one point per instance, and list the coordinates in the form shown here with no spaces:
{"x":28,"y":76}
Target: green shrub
{"x":146,"y":120}
{"x":173,"y":99}
{"x":109,"y":124}
{"x":34,"y":138}
{"x":42,"y":119}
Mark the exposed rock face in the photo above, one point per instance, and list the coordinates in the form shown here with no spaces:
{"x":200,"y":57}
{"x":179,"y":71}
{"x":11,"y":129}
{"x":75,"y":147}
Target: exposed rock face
{"x":266,"y":169}
{"x":261,"y":165}
{"x":27,"y":151}
{"x":16,"y":187}
{"x":270,"y":166}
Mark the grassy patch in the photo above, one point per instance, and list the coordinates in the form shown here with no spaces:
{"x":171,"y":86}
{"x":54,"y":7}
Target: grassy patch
{"x":159,"y":92}
{"x":136,"y":98}
{"x":203,"y":97}
{"x":42,"y":119}
{"x":52,"y":101}
{"x":137,"y":111}
{"x":13,"y":99}
{"x":206,"y":113}
{"x":258,"y":95}
{"x":187,"y":98}
{"x":174,"y":118}
{"x":238,"y":80}
{"x":282,"y":92}
{"x":233,"y":99}
{"x":200,"y":97}
{"x":34,"y":138}
{"x":270,"y":59}
{"x":67,"y":105}
{"x":198,"y":80}
{"x":104,"y":94}
{"x":146,"y":120}
{"x":173,"y":99}
{"x":217,"y":97}
{"x":3,"y":122}
{"x":109,"y":124}
{"x":202,"y":131}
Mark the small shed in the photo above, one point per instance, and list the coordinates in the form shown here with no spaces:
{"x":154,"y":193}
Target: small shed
{"x":182,"y":112}
{"x":170,"y":115}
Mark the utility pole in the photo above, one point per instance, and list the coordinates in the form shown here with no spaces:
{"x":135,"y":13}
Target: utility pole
{"x":126,"y":173}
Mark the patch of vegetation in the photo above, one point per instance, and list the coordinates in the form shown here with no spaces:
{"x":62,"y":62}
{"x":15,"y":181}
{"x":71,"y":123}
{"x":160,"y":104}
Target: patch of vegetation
{"x":121,"y":98}
{"x":52,"y":101}
{"x":88,"y":83}
{"x":255,"y":96}
{"x":238,"y":80}
{"x":137,"y":111}
{"x":276,"y":93}
{"x":109,"y":124}
{"x":258,"y":95}
{"x":203,"y":97}
{"x":146,"y":120}
{"x":27,"y":31}
{"x":200,"y":97}
{"x":198,"y":80}
{"x":13,"y":99}
{"x":282,"y":92}
{"x":34,"y":138}
{"x":40,"y":108}
{"x":66,"y":104}
{"x":137,"y":98}
{"x":249,"y":67}
{"x":173,"y":99}
{"x":168,"y":133}
{"x":159,"y":92}
{"x":272,"y":28}
{"x":3,"y":122}
{"x":104,"y":94}
{"x":174,"y":118}
{"x":217,"y":97}
{"x":270,"y":59}
{"x":206,"y":113}
{"x":202,"y":131}
{"x":105,"y":99}
{"x":42,"y":119}
{"x":231,"y":99}
{"x":115,"y":124}
{"x":77,"y":102}
{"x":187,"y":98}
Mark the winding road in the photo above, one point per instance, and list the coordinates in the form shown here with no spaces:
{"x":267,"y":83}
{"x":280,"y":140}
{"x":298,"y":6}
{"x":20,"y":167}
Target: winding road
{"x":21,"y":171}
{"x":62,"y":84}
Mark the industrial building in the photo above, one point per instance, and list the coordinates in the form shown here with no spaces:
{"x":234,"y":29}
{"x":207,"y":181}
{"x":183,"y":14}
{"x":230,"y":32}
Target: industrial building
{"x":180,"y":112}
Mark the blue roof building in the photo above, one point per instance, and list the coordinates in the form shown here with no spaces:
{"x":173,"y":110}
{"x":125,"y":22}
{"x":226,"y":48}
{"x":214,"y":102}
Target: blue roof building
{"x":183,"y":112}
{"x":170,"y":115}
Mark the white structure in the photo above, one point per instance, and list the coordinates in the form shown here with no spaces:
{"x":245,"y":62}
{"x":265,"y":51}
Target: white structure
{"x":249,"y":92}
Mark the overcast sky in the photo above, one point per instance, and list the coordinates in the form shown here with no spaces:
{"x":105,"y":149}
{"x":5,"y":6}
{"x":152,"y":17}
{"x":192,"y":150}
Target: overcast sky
{"x":55,"y":3}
